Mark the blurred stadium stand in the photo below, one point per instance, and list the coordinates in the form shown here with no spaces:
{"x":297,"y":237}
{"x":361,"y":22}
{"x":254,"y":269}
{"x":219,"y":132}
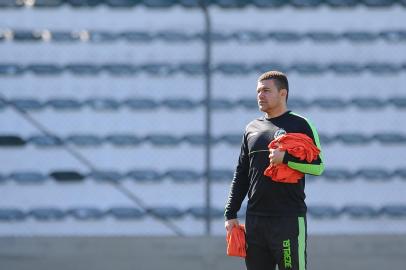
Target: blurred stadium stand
{"x":122,"y":83}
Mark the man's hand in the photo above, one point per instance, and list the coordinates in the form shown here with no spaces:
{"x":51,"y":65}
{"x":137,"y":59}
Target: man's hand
{"x":229,"y":224}
{"x":276,"y":156}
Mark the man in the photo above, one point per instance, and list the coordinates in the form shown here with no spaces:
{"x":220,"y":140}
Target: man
{"x":276,"y":230}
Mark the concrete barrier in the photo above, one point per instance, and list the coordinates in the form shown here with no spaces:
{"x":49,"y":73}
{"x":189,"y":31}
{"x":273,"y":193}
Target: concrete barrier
{"x":173,"y":253}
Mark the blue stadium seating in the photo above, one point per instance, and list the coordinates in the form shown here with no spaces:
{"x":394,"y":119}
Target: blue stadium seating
{"x":200,"y":212}
{"x":11,"y":214}
{"x":86,"y":213}
{"x":361,"y":211}
{"x":26,"y":177}
{"x":125,"y":213}
{"x":47,"y":214}
{"x":106,"y":176}
{"x":165,"y":212}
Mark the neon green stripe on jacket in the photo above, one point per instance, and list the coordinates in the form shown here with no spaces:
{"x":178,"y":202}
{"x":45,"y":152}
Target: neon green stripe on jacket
{"x":315,"y":169}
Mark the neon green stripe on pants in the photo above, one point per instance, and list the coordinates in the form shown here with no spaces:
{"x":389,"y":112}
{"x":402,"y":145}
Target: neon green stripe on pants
{"x":302,"y":243}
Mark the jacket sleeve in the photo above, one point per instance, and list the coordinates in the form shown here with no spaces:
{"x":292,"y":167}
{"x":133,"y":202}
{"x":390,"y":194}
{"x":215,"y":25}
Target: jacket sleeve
{"x":315,"y":167}
{"x":240,"y":183}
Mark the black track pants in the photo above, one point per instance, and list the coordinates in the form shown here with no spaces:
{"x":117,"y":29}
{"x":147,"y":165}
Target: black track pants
{"x":275,"y":241}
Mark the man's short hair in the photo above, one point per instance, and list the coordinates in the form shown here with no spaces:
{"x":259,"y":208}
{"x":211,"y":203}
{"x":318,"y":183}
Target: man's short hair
{"x":279,"y":78}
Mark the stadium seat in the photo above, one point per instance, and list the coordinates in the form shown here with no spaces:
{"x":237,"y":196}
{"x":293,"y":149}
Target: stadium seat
{"x":28,"y":177}
{"x":3,"y":104}
{"x":133,"y":36}
{"x":298,"y":104}
{"x":368,"y":103}
{"x":308,"y":68}
{"x":232,"y":139}
{"x":378,"y":3}
{"x":123,"y":140}
{"x":269,"y":3}
{"x":122,"y":3}
{"x":394,"y":211}
{"x":232,"y":68}
{"x":250,"y":103}
{"x":189,"y":3}
{"x":322,"y":36}
{"x":400,"y":173}
{"x":11,"y":140}
{"x":262,"y":67}
{"x":323,"y":212}
{"x":85,"y":140}
{"x":44,"y":69}
{"x":342,"y":3}
{"x":108,"y":176}
{"x":165,"y":212}
{"x":45,"y":141}
{"x":10,"y":3}
{"x":125,"y":213}
{"x":66,"y":176}
{"x":140,"y":104}
{"x":194,"y":139}
{"x":145,"y":176}
{"x":85,"y":213}
{"x":330,"y":103}
{"x":389,"y":138}
{"x":46,"y":214}
{"x":11,"y":70}
{"x":3,"y":178}
{"x":374,"y":174}
{"x":191,"y":69}
{"x":249,"y":36}
{"x":159,"y":3}
{"x":27,"y":104}
{"x":83,"y":69}
{"x":353,"y":138}
{"x":222,"y":175}
{"x":398,"y":102}
{"x":360,"y":211}
{"x":64,"y":36}
{"x":11,"y":214}
{"x":26,"y":36}
{"x":183,"y":175}
{"x":48,"y":3}
{"x":345,"y":68}
{"x":179,"y":104}
{"x":221,"y":104}
{"x":174,"y":36}
{"x":103,"y":36}
{"x":119,"y":69}
{"x":338,"y":174}
{"x":360,"y":36}
{"x":231,"y":3}
{"x":384,"y":68}
{"x":64,"y":104}
{"x":285,"y":36}
{"x":102,"y":104}
{"x":217,"y":36}
{"x":158,"y":69}
{"x":163,"y":139}
{"x":393,"y":36}
{"x":84,"y":3}
{"x":200,"y":212}
{"x":305,"y":3}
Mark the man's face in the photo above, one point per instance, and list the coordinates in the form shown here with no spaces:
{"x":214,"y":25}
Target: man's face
{"x":268,"y":96}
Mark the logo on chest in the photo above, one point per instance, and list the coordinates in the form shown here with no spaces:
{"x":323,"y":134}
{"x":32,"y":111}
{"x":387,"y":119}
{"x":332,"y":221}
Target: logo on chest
{"x":279,"y":132}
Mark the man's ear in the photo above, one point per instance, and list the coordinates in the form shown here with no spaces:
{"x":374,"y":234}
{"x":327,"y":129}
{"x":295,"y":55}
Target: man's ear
{"x":284,"y":92}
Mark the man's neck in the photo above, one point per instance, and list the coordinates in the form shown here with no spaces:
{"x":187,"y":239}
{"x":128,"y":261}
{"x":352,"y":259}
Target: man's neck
{"x":276,"y":113}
